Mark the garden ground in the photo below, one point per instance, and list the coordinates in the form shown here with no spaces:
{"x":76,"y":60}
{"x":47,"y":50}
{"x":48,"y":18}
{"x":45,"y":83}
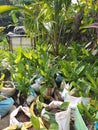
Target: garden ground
{"x":4,"y":122}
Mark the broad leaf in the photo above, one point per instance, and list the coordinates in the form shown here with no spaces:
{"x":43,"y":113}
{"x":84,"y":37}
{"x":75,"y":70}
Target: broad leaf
{"x":35,"y":123}
{"x":64,"y":105}
{"x":6,"y":8}
{"x":53,"y":126}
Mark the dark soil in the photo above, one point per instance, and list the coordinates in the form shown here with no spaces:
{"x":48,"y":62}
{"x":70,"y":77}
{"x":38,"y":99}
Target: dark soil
{"x":19,"y":99}
{"x":7,"y":84}
{"x":46,"y":99}
{"x":72,"y":124}
{"x":89,"y":123}
{"x":31,"y":128}
{"x":36,"y":111}
{"x":54,"y":111}
{"x":46,"y":122}
{"x":22,"y":117}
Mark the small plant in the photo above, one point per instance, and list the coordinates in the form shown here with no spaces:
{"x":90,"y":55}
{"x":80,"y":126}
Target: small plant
{"x":89,"y":112}
{"x":22,"y":69}
{"x":47,"y":68}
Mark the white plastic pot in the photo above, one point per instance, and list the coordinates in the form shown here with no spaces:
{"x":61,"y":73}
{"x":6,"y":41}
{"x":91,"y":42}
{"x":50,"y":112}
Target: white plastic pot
{"x":9,"y":89}
{"x":13,"y":119}
{"x":62,"y":118}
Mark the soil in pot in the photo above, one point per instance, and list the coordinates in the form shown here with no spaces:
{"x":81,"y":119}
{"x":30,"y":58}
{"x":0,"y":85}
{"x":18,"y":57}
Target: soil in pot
{"x":89,"y":123}
{"x":36,"y":111}
{"x":22,"y":117}
{"x":57,"y":95}
{"x":7,"y":74}
{"x":46,"y":122}
{"x":45,"y":99}
{"x":7,"y":84}
{"x":49,"y":116}
{"x":31,"y":128}
{"x":19,"y":99}
{"x":72,"y":124}
{"x":54,"y":111}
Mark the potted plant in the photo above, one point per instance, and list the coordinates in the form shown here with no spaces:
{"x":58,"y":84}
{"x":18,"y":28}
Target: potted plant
{"x":22,"y":70}
{"x":49,"y":82}
{"x":47,"y":68}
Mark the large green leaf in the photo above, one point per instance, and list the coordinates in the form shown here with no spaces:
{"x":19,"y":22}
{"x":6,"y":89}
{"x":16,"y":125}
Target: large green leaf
{"x":80,"y":69}
{"x":91,"y":79}
{"x":14,"y":18}
{"x":64,"y":105}
{"x":35,"y":122}
{"x":6,"y":8}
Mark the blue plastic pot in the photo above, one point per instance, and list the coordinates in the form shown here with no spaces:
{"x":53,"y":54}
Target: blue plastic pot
{"x":5,"y":106}
{"x":96,"y":125}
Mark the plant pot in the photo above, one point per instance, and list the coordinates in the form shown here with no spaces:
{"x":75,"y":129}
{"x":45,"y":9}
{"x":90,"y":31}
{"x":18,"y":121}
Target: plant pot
{"x":5,"y":105}
{"x":8,"y":89}
{"x":36,"y":114}
{"x":45,"y":99}
{"x":79,"y":123}
{"x":20,"y":116}
{"x":53,"y":113}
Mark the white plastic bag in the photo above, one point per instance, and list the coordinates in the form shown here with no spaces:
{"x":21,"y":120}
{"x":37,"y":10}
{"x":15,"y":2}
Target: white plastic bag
{"x":74,"y":101}
{"x":85,"y":100}
{"x":55,"y":104}
{"x":13,"y":119}
{"x":63,"y":119}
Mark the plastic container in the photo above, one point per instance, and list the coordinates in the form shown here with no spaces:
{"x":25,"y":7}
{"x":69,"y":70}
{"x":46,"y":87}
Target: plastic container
{"x":5,"y":106}
{"x":9,"y":89}
{"x":79,"y":122}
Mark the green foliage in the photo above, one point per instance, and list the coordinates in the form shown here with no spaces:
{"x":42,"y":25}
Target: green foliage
{"x":6,"y":8}
{"x":64,"y":105}
{"x":44,"y":19}
{"x":88,"y":112}
{"x":35,"y":122}
{"x":4,"y":56}
{"x":3,"y":40}
{"x":53,"y":126}
{"x":46,"y":66}
{"x":52,"y":24}
{"x":80,"y":70}
{"x":27,"y":63}
{"x":22,"y":69}
{"x":56,"y":21}
{"x":1,"y":29}
{"x":1,"y":78}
